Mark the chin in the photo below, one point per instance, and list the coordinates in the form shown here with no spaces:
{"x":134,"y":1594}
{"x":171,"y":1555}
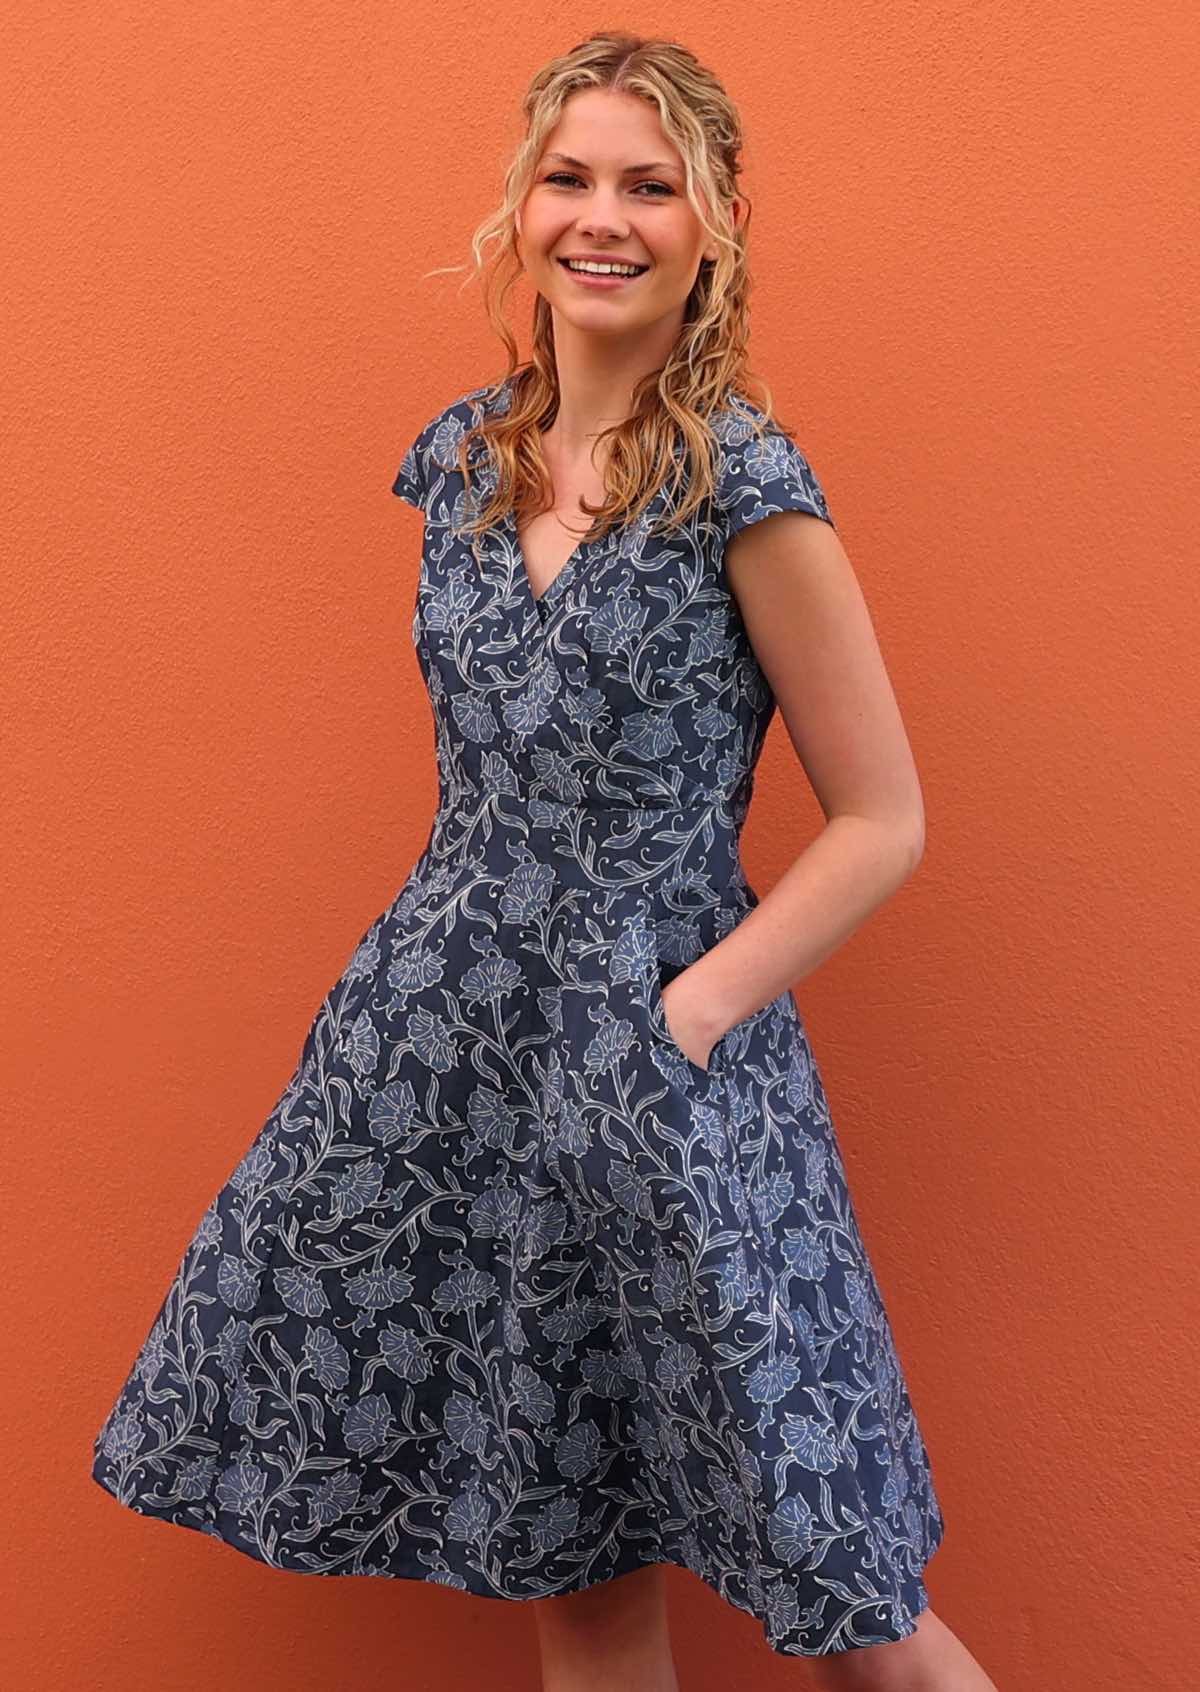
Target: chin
{"x":602,"y":322}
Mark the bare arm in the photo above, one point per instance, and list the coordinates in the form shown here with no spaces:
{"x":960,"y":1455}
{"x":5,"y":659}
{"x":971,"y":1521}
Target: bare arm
{"x":811,"y":631}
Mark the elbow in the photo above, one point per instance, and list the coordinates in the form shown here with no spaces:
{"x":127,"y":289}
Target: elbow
{"x":898,"y":844}
{"x":907,"y":835}
{"x":914,"y":836}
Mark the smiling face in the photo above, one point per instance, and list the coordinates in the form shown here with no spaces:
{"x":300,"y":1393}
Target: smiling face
{"x":609,"y":187}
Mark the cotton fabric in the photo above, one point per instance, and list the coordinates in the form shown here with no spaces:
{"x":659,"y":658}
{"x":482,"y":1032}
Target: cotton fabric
{"x":508,"y":1293}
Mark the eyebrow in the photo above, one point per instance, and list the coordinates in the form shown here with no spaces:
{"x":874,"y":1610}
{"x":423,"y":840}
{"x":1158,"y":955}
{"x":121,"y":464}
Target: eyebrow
{"x":630,"y":170}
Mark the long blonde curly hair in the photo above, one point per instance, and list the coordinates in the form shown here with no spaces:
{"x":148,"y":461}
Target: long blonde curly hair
{"x":666,"y":443}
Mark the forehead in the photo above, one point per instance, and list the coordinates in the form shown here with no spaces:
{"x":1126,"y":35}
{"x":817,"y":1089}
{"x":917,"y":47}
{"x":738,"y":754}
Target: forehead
{"x":602,"y":129}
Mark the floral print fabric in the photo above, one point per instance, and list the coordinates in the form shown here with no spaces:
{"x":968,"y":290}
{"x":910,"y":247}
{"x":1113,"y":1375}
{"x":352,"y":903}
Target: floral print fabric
{"x":508,"y":1293}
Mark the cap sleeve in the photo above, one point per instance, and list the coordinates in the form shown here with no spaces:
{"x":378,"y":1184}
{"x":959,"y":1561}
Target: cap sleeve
{"x":413,"y":478}
{"x":759,"y":476}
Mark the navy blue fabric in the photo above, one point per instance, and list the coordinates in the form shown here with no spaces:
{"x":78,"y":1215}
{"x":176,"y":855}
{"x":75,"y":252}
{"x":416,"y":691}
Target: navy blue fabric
{"x":509,"y":1293}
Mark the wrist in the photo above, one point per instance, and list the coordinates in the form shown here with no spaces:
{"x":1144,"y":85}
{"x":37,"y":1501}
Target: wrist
{"x":698,"y":1009}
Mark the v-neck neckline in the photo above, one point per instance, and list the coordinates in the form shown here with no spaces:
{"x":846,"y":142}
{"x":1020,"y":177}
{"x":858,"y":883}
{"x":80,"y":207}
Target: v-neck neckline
{"x":562,"y":575}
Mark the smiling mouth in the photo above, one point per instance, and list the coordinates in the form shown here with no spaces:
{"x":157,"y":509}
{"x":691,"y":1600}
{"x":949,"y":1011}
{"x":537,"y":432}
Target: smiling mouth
{"x":608,"y":275}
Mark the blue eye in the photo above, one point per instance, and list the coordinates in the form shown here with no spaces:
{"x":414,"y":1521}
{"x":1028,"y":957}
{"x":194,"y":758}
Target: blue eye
{"x":568,"y":176}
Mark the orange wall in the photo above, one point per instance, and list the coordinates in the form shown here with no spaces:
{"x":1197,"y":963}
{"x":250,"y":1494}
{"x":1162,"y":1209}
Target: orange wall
{"x":975,"y":298}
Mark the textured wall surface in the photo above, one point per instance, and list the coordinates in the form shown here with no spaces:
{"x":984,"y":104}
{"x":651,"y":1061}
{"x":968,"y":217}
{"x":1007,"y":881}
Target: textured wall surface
{"x":974,"y":248}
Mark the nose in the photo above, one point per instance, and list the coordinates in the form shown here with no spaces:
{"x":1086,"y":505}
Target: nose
{"x":601,"y":218}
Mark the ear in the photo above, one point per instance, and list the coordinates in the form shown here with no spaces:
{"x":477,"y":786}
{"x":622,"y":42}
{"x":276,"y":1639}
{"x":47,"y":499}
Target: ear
{"x":736,"y":212}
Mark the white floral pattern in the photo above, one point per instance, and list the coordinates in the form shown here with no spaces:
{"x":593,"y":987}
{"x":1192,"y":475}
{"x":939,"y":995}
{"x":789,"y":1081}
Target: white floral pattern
{"x":508,"y":1293}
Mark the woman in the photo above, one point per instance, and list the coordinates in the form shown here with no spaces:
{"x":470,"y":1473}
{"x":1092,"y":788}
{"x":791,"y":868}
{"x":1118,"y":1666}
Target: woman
{"x":544,"y":1270}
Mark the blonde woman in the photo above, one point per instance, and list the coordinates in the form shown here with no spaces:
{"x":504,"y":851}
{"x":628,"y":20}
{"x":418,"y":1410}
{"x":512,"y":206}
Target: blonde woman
{"x":543,"y":1273}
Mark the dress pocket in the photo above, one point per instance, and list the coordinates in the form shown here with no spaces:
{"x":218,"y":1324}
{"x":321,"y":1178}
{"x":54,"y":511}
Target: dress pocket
{"x":737,"y":1039}
{"x":672,"y":1049}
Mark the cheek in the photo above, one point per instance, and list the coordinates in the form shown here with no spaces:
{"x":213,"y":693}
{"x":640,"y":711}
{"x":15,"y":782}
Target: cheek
{"x":674,"y":266}
{"x":679,"y":247}
{"x":538,"y":229}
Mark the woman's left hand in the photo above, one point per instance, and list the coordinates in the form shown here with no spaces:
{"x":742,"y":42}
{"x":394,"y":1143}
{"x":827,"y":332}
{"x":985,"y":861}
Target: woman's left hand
{"x":695,"y":1043}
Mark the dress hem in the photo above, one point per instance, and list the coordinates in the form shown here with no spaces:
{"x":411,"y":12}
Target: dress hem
{"x":454,"y":1582}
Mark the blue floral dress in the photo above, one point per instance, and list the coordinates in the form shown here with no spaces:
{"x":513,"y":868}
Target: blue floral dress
{"x":508,"y":1293}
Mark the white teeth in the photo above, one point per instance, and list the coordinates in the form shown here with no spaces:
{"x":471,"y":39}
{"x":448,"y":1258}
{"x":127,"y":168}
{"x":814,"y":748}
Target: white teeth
{"x":604,"y":269}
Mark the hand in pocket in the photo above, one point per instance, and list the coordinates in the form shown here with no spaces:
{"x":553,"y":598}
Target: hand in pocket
{"x":695,"y":1050}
